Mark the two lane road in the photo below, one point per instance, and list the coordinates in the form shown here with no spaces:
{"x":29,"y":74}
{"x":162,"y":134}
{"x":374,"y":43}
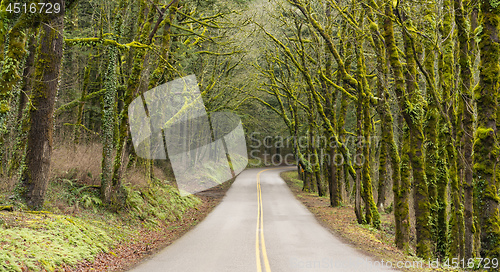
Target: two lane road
{"x":259,"y":226}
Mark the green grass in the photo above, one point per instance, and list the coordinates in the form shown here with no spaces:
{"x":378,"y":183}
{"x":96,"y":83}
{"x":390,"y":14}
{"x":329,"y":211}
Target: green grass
{"x":37,"y":241}
{"x":293,"y":177}
{"x":45,"y":241}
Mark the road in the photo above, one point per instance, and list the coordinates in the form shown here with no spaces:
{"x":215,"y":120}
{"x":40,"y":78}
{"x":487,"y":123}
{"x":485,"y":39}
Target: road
{"x":252,"y":231}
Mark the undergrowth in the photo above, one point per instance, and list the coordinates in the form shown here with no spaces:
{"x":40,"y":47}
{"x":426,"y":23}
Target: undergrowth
{"x":76,"y":226}
{"x":158,"y":202}
{"x":45,"y":241}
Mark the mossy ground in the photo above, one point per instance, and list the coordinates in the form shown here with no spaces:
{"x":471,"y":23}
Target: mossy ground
{"x":76,"y":228}
{"x":342,"y":222}
{"x":44,"y":241}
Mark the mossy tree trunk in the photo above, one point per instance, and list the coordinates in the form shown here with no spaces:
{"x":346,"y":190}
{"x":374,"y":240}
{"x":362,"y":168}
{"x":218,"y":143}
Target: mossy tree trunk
{"x":330,"y":111}
{"x":359,"y":161}
{"x":383,"y":110}
{"x":382,"y":172}
{"x":109,"y":191}
{"x":402,"y":206}
{"x":473,"y":53}
{"x":9,"y":74}
{"x":467,"y":112}
{"x":23,"y":111}
{"x":486,"y":149}
{"x":344,"y":50}
{"x":400,"y":169}
{"x":371,"y":212}
{"x":108,"y":105}
{"x":414,"y":113}
{"x":431,"y":120}
{"x":447,"y":139}
{"x":39,"y":149}
{"x":11,"y":63}
{"x":411,"y":111}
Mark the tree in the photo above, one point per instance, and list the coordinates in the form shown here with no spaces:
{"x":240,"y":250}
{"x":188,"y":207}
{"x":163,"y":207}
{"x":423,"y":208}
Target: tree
{"x":466,"y":108}
{"x":486,"y":148}
{"x":40,"y":135}
{"x":411,"y":110}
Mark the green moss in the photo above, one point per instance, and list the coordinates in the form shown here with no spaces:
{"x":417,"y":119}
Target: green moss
{"x":47,"y":241}
{"x":482,"y":133}
{"x":494,"y":3}
{"x":158,"y":203}
{"x":485,"y":141}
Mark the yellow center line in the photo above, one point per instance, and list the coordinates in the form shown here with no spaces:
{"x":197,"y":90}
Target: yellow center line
{"x":257,"y":249}
{"x":260,"y":228}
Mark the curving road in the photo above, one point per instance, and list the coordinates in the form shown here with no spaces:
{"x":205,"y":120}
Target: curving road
{"x":259,"y":226}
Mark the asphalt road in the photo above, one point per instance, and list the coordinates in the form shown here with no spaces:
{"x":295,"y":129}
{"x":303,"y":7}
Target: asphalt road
{"x":252,"y":231}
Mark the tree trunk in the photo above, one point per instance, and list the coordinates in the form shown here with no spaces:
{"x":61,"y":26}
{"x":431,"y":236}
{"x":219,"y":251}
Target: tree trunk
{"x":39,"y":150}
{"x":403,"y":206}
{"x":432,"y":118}
{"x":467,"y":110}
{"x":412,"y":116}
{"x":485,"y":139}
{"x":371,"y":213}
{"x":359,"y":160}
{"x":108,"y":121}
{"x":22,"y":110}
{"x":382,"y":172}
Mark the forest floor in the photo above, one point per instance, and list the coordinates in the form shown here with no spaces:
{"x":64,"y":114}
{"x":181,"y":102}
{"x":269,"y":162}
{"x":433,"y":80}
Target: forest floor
{"x":79,"y":239}
{"x":342,"y":223}
{"x":129,"y":253}
{"x":75,"y":232}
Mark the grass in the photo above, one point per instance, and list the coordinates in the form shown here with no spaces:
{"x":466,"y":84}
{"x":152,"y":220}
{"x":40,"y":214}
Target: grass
{"x":45,"y":241}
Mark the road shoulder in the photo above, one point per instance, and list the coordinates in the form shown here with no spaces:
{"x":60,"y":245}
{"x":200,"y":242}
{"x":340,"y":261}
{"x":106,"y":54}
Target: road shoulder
{"x":341,"y":222}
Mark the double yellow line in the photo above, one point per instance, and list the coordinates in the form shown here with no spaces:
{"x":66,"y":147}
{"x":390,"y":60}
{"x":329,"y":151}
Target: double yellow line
{"x":260,"y":230}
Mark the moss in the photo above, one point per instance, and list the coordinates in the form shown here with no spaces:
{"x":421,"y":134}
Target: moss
{"x":6,"y":208}
{"x":494,"y":3}
{"x":413,"y":109}
{"x":485,"y":141}
{"x":401,"y":206}
{"x":9,"y":75}
{"x":45,"y":242}
{"x":483,"y":133}
{"x":108,"y":121}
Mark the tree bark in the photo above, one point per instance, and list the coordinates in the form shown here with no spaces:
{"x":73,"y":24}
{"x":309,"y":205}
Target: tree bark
{"x":382,"y":172}
{"x":432,"y":156}
{"x":412,"y":113}
{"x":22,"y":110}
{"x":467,"y":110}
{"x":39,"y":150}
{"x":486,"y":147}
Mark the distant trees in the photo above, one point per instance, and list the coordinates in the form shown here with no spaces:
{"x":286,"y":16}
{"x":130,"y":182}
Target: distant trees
{"x":421,"y":69}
